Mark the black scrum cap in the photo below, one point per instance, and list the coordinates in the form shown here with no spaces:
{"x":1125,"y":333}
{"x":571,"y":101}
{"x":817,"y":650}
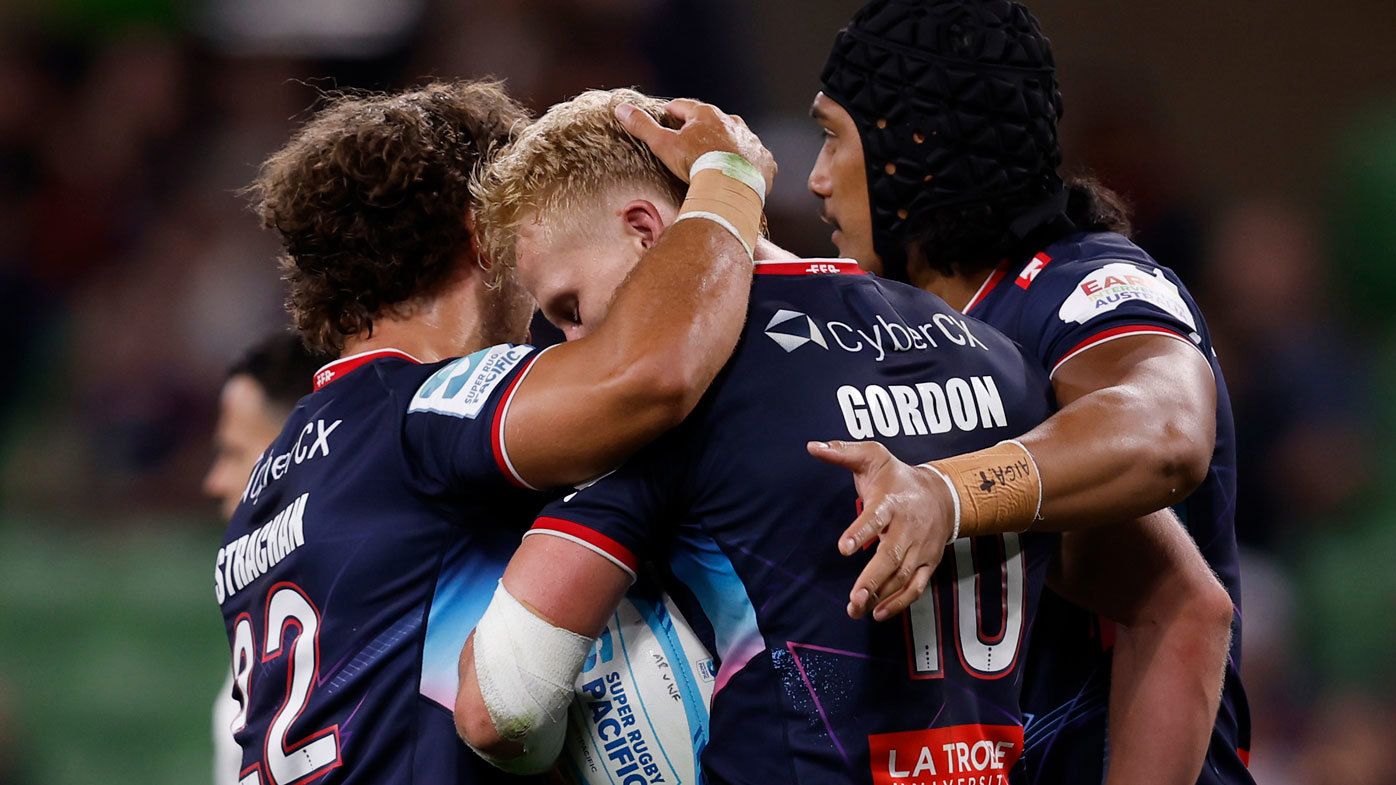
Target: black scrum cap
{"x":956,"y":102}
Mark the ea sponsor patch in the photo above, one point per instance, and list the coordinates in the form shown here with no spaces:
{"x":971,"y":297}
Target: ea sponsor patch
{"x":1117,"y":283}
{"x":958,"y":755}
{"x":461,"y":388}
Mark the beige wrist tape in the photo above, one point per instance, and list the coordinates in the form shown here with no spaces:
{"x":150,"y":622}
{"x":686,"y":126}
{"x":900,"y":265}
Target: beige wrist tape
{"x":997,"y":489}
{"x":726,"y":201}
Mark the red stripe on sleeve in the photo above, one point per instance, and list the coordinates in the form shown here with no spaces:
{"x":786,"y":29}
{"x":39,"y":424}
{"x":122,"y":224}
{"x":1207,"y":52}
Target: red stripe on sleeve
{"x":1122,"y":332}
{"x":589,"y":537}
{"x":501,"y":458}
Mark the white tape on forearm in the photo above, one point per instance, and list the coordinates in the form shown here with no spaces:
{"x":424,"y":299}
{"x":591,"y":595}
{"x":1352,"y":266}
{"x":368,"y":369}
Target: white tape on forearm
{"x":954,"y":498}
{"x":735,"y":167}
{"x":526,"y":668}
{"x":720,"y":221}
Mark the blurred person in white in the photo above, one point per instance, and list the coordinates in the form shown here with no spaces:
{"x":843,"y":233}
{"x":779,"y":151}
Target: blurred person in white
{"x":261,"y":389}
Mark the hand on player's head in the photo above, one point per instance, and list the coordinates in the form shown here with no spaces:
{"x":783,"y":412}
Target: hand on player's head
{"x":705,"y":129}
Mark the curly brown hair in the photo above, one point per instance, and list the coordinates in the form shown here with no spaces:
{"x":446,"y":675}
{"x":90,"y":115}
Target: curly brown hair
{"x":370,"y":199}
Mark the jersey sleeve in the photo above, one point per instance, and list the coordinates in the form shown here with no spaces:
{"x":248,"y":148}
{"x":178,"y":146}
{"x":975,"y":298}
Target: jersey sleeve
{"x":455,"y":419}
{"x":1080,"y":305}
{"x":623,"y":515}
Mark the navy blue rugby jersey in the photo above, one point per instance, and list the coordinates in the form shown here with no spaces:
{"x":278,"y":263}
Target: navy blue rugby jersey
{"x":744,"y":526}
{"x":1078,"y":293}
{"x":367,"y":545}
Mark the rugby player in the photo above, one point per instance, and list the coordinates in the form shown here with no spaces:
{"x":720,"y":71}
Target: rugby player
{"x":371,"y":533}
{"x":259,"y":392}
{"x":736,"y":515}
{"x":940,"y":167}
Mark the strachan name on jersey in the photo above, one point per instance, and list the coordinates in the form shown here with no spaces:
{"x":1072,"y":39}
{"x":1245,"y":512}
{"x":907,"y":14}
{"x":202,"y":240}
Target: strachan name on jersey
{"x":250,"y":556}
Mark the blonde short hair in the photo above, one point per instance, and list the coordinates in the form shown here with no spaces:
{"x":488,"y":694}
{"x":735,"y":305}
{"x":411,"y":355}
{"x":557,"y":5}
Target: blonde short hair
{"x":572,"y":154}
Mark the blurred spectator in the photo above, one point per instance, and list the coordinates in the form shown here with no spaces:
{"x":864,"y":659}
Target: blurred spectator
{"x":1349,"y":742}
{"x":261,"y":389}
{"x":1277,"y":693}
{"x":1295,"y":378}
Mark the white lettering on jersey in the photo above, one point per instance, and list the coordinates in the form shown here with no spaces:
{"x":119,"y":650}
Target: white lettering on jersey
{"x":252,"y":555}
{"x":1109,"y":287}
{"x":460,"y":388}
{"x":927,"y":408}
{"x":313,"y":441}
{"x":792,"y":330}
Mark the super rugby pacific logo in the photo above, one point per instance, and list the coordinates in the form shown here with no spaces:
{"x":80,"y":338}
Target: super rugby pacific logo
{"x":793,"y":329}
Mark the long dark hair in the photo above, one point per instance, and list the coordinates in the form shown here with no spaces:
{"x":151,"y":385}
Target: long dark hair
{"x":971,"y":238}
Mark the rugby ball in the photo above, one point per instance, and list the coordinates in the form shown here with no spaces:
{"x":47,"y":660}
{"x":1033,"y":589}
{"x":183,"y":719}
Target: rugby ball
{"x":640,"y":715}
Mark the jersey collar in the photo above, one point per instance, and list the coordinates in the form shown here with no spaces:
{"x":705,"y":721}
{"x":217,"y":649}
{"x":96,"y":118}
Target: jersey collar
{"x":990,"y":283}
{"x":344,"y":365}
{"x":808,"y":267}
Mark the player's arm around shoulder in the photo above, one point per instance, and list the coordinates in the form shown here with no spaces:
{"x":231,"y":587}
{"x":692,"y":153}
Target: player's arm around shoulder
{"x":1172,"y":638}
{"x":518,"y":668}
{"x":1122,"y":342}
{"x":590,"y":403}
{"x":1135,"y":432}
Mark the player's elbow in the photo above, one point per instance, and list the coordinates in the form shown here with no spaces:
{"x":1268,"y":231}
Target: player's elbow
{"x":477,"y":730}
{"x":1197,"y":608}
{"x":1212,"y":609}
{"x":1183,"y":455}
{"x":662,"y":390}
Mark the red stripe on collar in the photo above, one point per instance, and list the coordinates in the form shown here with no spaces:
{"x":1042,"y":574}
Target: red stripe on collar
{"x":987,"y":287}
{"x":344,"y":365}
{"x":809,"y":267}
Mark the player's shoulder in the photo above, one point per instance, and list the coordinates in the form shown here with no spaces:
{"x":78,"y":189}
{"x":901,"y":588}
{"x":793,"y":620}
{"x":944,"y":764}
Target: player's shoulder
{"x":1090,"y":274}
{"x":1082,"y":253}
{"x":462,"y":386}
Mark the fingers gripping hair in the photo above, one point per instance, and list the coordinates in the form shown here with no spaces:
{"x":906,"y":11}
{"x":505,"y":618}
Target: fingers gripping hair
{"x":574,"y":152}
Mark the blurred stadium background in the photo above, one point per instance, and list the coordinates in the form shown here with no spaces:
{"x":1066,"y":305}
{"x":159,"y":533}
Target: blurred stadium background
{"x":1257,"y":142}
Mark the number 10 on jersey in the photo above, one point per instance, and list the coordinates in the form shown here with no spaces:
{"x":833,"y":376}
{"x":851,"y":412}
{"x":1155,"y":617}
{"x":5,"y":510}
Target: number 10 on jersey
{"x":983,"y":655}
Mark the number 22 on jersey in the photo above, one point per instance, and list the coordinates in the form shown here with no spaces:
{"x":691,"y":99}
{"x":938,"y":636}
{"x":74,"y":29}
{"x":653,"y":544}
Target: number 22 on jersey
{"x":984,"y":655}
{"x":286,"y":763}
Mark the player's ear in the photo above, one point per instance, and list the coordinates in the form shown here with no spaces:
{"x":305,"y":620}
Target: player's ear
{"x":476,"y":256}
{"x":643,"y":218}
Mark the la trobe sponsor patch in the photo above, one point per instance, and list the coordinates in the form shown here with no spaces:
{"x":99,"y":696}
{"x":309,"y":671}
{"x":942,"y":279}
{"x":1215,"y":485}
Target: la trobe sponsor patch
{"x":958,"y":755}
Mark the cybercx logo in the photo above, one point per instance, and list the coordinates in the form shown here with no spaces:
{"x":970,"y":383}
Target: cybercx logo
{"x":881,"y":336}
{"x":792,"y":329}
